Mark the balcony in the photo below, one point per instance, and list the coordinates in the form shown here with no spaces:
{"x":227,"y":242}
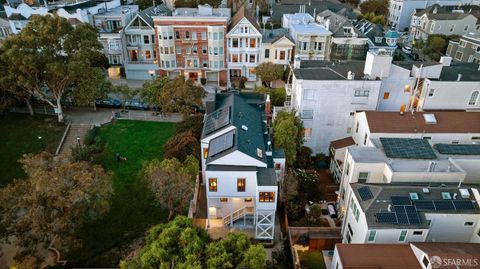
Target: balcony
{"x":142,"y":62}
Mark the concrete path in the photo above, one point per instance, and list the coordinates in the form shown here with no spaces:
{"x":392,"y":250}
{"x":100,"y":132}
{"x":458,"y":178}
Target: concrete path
{"x":75,"y":136}
{"x":87,"y":116}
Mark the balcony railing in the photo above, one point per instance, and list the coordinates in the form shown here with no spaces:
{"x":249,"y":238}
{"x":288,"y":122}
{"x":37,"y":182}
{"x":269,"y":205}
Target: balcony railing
{"x":142,"y":62}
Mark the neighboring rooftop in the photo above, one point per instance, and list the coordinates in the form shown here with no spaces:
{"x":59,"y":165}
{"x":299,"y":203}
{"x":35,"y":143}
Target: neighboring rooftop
{"x":337,"y":24}
{"x":404,"y":205}
{"x":148,"y":13}
{"x":311,"y":6}
{"x":117,"y":11}
{"x":459,"y":250}
{"x":342,"y":143}
{"x":310,"y":28}
{"x":202,"y":11}
{"x":266,"y":177}
{"x":323,"y":70}
{"x":446,"y":122}
{"x":243,"y":13}
{"x":273,"y":35}
{"x":437,"y":12}
{"x":466,"y":72}
{"x":377,"y":256}
{"x":407,"y":148}
{"x":472,"y":37}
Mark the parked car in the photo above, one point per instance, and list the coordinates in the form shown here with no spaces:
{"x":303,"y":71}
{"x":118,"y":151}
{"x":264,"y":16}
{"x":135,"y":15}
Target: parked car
{"x":197,"y":109}
{"x":136,"y":105}
{"x":109,"y":102}
{"x":414,"y":56}
{"x":407,"y":49}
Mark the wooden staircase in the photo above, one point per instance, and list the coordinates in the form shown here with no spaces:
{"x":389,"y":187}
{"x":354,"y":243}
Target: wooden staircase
{"x":238,"y":214}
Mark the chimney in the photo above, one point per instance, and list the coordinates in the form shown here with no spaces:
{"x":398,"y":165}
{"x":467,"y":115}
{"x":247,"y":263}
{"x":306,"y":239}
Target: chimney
{"x":459,"y":77}
{"x":268,"y":106}
{"x":350,"y":75}
{"x":327,"y":24}
{"x":297,"y":62}
{"x":446,"y":60}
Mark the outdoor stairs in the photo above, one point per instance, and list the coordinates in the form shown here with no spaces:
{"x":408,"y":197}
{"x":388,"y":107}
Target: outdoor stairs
{"x":237,"y":214}
{"x":76,"y":130}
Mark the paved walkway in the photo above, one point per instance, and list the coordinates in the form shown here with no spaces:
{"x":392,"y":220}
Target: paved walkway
{"x":75,"y":136}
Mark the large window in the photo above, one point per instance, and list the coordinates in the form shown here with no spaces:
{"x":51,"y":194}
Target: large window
{"x":307,"y":114}
{"x":212,"y":184}
{"x":146,"y":39}
{"x":371,"y":236}
{"x":205,"y":153}
{"x":267,"y":53}
{"x":308,"y":94}
{"x":234,"y":42}
{"x":266,"y":197}
{"x":362,"y":93}
{"x":240,"y":184}
{"x":282,"y":55}
{"x":403,"y":236}
{"x":473,"y":98}
{"x":253,"y":42}
{"x":362,"y":177}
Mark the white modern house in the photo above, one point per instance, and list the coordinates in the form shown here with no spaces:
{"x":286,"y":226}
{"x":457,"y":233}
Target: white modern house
{"x":141,"y":53}
{"x":312,"y":40}
{"x":401,"y":213}
{"x":401,"y":11}
{"x":241,"y":173}
{"x":244,"y":40}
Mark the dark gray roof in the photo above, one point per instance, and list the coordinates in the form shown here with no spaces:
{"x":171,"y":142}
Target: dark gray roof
{"x":215,"y":167}
{"x":266,"y":177}
{"x":469,"y":72}
{"x":383,"y":193}
{"x":408,"y":148}
{"x":148,"y":13}
{"x":337,"y":23}
{"x":437,"y":12}
{"x":371,"y":31}
{"x":271,"y":36}
{"x":323,"y":70}
{"x":278,"y":153}
{"x":458,"y":149}
{"x":293,"y":6}
{"x":17,"y":17}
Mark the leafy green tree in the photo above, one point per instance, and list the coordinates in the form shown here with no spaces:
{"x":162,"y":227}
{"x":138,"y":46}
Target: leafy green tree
{"x":288,"y":134}
{"x":172,"y":182}
{"x":50,"y":58}
{"x":125,"y":92}
{"x":150,"y":91}
{"x":377,"y":7}
{"x":290,"y":186}
{"x":45,"y":210}
{"x":97,"y":86}
{"x":269,"y":72}
{"x":254,"y":257}
{"x":192,"y":123}
{"x":277,"y":95}
{"x":372,"y":17}
{"x":181,"y":145}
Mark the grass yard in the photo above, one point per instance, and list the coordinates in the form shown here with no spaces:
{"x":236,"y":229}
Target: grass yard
{"x":311,"y":260}
{"x":19,"y":135}
{"x":133,"y":207}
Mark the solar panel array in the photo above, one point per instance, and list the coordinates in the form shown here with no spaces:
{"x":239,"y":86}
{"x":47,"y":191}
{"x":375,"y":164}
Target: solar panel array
{"x":365,"y":193}
{"x":217,"y":119}
{"x":439,"y":205}
{"x":220,"y":144}
{"x":458,"y":149}
{"x":408,"y":148}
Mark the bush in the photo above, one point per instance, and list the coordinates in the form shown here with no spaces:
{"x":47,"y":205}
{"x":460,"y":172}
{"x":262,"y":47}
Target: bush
{"x":90,"y":136}
{"x":304,"y":158}
{"x":203,"y":81}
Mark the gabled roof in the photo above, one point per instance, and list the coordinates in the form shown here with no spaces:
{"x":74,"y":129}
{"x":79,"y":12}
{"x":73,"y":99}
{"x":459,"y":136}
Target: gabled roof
{"x":243,"y":13}
{"x":274,"y":35}
{"x":337,"y":23}
{"x":17,"y":17}
{"x":342,"y":143}
{"x":373,"y":31}
{"x":437,"y":12}
{"x":293,"y":6}
{"x":147,"y":14}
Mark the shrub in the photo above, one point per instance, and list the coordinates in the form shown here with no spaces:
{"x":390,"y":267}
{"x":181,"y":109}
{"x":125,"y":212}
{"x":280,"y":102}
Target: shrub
{"x":203,"y":81}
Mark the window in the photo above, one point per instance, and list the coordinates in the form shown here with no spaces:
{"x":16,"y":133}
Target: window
{"x":204,"y":49}
{"x":371,"y":236}
{"x":452,"y":28}
{"x":187,"y":35}
{"x":462,"y":44}
{"x":307,"y":132}
{"x":459,"y":55}
{"x":235,"y":43}
{"x":365,"y":139}
{"x":468,"y":223}
{"x":307,"y":114}
{"x":167,"y":64}
{"x":308,"y":94}
{"x":248,"y":200}
{"x":215,"y":36}
{"x":195,"y":49}
{"x":425,"y":261}
{"x":223,"y":200}
{"x":253,"y":42}
{"x":205,"y":63}
{"x":352,"y":114}
{"x":347,"y":168}
{"x":215,"y":51}
{"x":194,"y":35}
{"x":362,"y":93}
{"x":386,"y":95}
{"x":266,"y":197}
{"x":417,"y":232}
{"x":178,"y":49}
{"x":356,"y":128}
{"x":205,"y":153}
{"x":177,"y":35}
{"x":146,"y":39}
{"x":267,"y":53}
{"x":278,"y":166}
{"x":465,"y":28}
{"x":432,"y":27}
{"x":349,"y":130}
{"x":473,"y":98}
{"x":240,"y":185}
{"x":282,"y":55}
{"x":204,"y":35}
{"x":426,"y":137}
{"x":251,"y":58}
{"x":212,"y":184}
{"x":234,"y":58}
{"x":362,"y":177}
{"x":148,"y":55}
{"x":220,"y":50}
{"x":403,"y":236}
{"x":431,"y":92}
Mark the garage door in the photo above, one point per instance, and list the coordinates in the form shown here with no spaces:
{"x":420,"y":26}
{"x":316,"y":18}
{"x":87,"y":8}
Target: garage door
{"x":212,"y":76}
{"x":137,"y":74}
{"x":173,"y":74}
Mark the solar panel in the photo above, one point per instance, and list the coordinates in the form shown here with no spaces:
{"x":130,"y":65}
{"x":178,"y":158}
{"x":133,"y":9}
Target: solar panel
{"x":365,"y":193}
{"x":464,"y":205}
{"x":458,"y":149}
{"x":221,"y":143}
{"x":444,"y":205}
{"x":424,"y":205}
{"x":408,"y":148}
{"x":412,"y":214}
{"x":401,"y":200}
{"x":217,"y":119}
{"x":402,"y":218}
{"x":386,"y":217}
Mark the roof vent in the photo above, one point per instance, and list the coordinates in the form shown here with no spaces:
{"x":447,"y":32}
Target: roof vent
{"x":430,"y":118}
{"x":426,"y":190}
{"x":259,"y":153}
{"x":464,"y":193}
{"x":245,"y":128}
{"x":413,"y":196}
{"x":446,"y":196}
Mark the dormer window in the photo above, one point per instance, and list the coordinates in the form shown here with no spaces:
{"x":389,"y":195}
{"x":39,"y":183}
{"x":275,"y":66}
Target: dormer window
{"x":347,"y":31}
{"x":378,"y":39}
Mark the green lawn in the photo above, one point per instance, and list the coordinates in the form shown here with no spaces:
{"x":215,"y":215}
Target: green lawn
{"x":311,"y":259}
{"x":19,"y":135}
{"x":133,"y":207}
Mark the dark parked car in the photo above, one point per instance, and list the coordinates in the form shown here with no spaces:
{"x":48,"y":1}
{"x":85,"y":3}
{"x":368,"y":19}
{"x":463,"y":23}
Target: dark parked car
{"x":108,"y":103}
{"x":136,"y":105}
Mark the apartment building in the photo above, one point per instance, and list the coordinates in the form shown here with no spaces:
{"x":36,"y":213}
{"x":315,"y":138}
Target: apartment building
{"x":444,"y":20}
{"x":402,"y":213}
{"x":192,"y":42}
{"x":241,"y":173}
{"x":111,"y":23}
{"x":414,"y":255}
{"x":401,"y":11}
{"x":5,"y":29}
{"x":348,"y":43}
{"x":244,"y":46}
{"x":141,"y":52}
{"x":277,"y":47}
{"x":378,"y":38}
{"x":466,"y":49}
{"x":312,"y":40}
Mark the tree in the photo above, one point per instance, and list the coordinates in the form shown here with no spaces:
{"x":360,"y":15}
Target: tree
{"x":377,"y":19}
{"x":377,"y":7}
{"x":45,"y":210}
{"x":277,"y":95}
{"x":181,"y":146}
{"x":50,"y":58}
{"x":192,"y":123}
{"x":288,"y":134}
{"x":269,"y":72}
{"x":172,"y":182}
{"x":290,"y":186}
{"x":175,"y":95}
{"x":94,"y":87}
{"x":150,"y":91}
{"x":125,"y":92}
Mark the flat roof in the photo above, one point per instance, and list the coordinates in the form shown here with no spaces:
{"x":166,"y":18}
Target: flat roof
{"x":342,"y":143}
{"x":447,"y":122}
{"x":323,"y":70}
{"x":459,"y":250}
{"x":468,"y":72}
{"x":380,"y":256}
